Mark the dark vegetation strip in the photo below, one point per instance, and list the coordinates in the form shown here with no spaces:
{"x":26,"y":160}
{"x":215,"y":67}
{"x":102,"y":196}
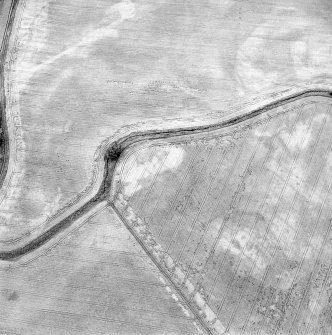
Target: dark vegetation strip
{"x":115,"y":150}
{"x":4,"y":140}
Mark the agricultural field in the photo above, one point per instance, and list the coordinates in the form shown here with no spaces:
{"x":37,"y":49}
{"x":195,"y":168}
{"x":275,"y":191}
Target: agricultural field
{"x":80,"y":73}
{"x":219,"y":232}
{"x":95,"y":280}
{"x":240,"y":217}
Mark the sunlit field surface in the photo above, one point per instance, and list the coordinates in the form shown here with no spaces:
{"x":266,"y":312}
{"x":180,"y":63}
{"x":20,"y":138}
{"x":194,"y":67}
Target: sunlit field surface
{"x":243,"y":215}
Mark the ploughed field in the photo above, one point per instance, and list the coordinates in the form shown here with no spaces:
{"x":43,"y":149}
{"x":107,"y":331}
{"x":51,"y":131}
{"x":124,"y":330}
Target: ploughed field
{"x":240,"y":218}
{"x":95,"y":280}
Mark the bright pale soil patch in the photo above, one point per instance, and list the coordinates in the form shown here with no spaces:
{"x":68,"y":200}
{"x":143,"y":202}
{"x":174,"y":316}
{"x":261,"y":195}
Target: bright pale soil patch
{"x":79,"y":70}
{"x":245,"y":215}
{"x":95,"y":281}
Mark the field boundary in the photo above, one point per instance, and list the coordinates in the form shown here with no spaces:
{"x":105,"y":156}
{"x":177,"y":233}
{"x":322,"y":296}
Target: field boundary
{"x":4,"y":143}
{"x":115,"y":150}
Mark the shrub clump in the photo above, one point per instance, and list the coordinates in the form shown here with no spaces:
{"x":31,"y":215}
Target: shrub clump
{"x":114,"y":152}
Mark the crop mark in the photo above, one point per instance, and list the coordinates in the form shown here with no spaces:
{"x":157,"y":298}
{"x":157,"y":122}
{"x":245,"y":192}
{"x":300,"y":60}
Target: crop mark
{"x":275,"y":249}
{"x":268,"y":230}
{"x":308,"y":244}
{"x":227,"y":218}
{"x":214,"y":173}
{"x":311,"y":275}
{"x":251,"y":232}
{"x":151,"y":154}
{"x":156,"y":174}
{"x":210,"y":218}
{"x":192,"y":186}
{"x":225,"y":152}
{"x":164,"y":188}
{"x":306,"y":250}
{"x":178,"y":192}
{"x":227,"y":179}
{"x":326,"y":277}
{"x":307,"y":205}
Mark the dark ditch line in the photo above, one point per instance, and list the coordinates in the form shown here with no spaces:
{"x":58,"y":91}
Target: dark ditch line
{"x":116,"y":149}
{"x":4,"y":139}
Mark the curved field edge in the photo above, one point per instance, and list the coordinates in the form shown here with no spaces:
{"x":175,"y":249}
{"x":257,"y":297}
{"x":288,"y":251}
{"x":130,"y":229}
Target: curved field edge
{"x":114,"y":152}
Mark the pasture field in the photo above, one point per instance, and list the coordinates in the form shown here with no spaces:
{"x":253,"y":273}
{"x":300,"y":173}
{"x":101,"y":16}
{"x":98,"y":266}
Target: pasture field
{"x":96,"y":280}
{"x":79,"y":71}
{"x":240,"y":218}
